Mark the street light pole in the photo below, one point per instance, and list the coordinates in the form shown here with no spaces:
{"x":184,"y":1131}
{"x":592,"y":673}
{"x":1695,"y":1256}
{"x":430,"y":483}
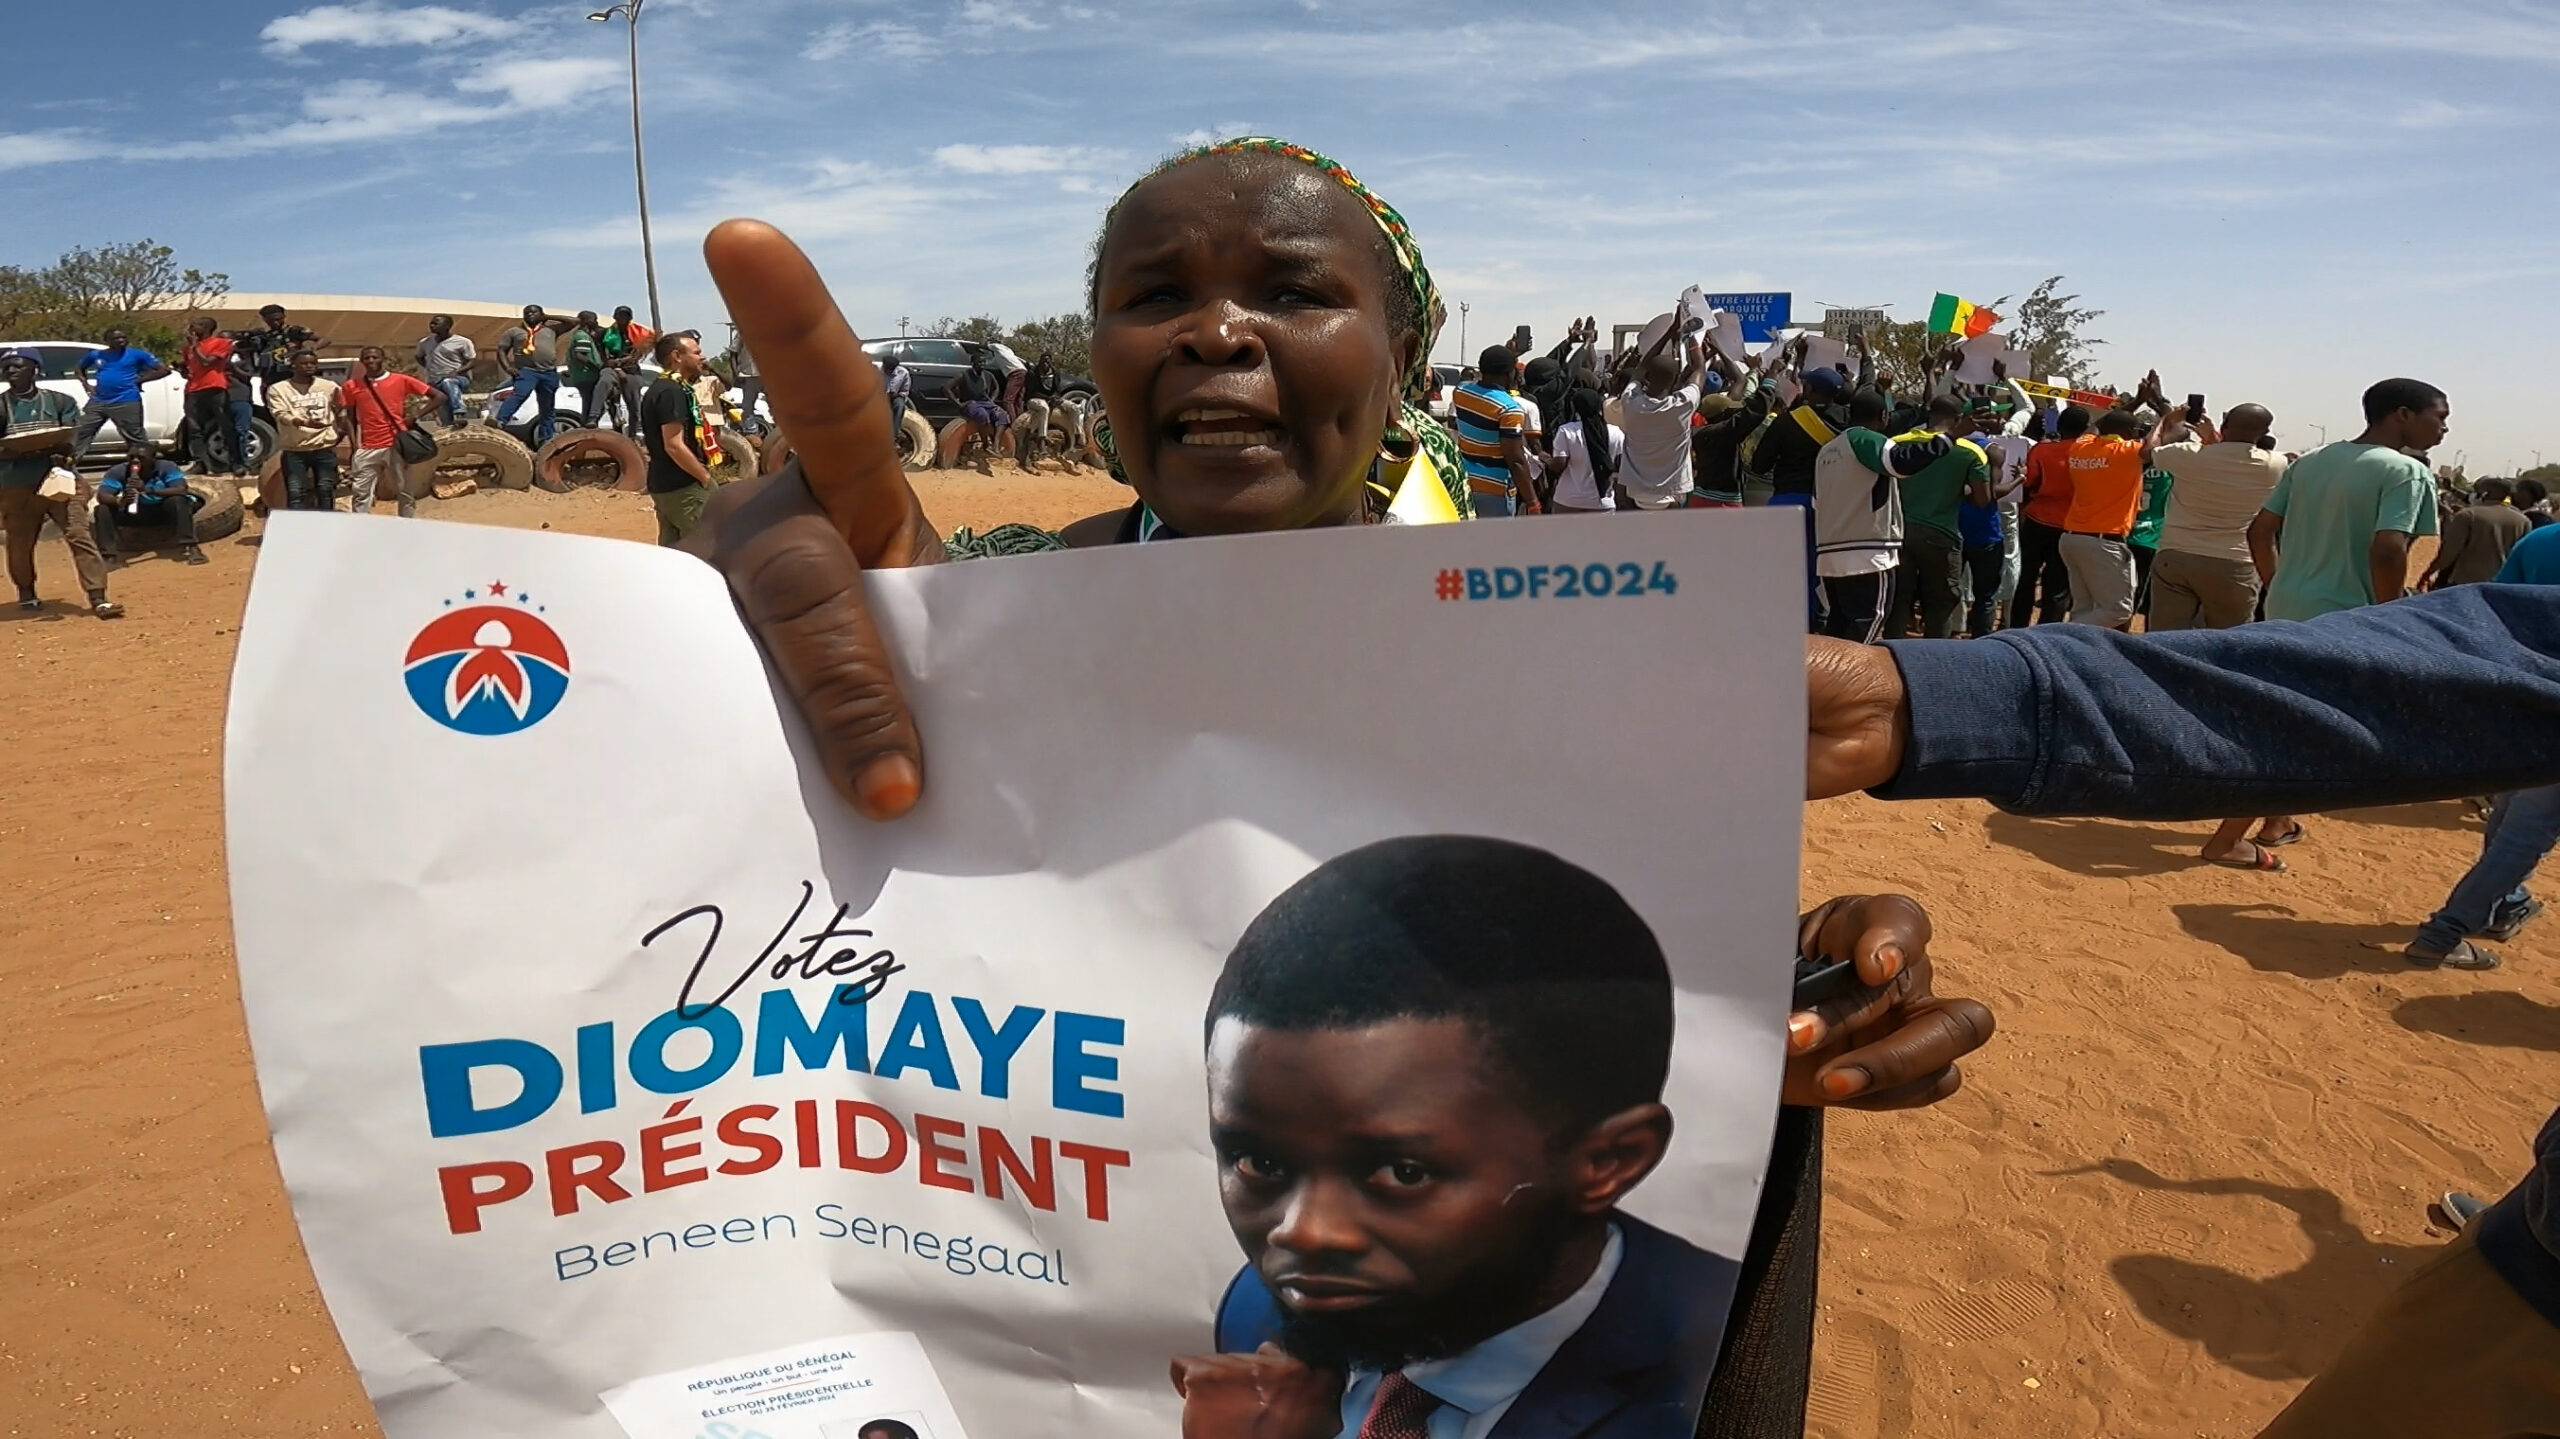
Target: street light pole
{"x":1463,"y":307}
{"x":629,"y":11}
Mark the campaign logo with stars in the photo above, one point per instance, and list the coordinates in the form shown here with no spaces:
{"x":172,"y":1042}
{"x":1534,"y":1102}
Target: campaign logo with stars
{"x":488,"y":665}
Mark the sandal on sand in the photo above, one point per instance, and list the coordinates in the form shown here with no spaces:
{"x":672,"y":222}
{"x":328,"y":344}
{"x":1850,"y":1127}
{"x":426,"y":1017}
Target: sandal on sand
{"x":2258,"y":858}
{"x":2292,"y":835}
{"x":2506,"y":923}
{"x":2463,"y":955}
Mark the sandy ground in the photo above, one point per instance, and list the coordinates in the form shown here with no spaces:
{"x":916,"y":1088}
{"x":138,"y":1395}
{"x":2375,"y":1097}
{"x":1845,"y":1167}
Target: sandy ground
{"x":2197,"y":1154}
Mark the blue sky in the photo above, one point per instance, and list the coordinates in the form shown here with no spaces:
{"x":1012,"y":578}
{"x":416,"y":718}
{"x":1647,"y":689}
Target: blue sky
{"x":2277,"y":201}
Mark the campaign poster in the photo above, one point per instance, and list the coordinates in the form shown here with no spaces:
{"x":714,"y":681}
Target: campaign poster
{"x":1371,"y":943}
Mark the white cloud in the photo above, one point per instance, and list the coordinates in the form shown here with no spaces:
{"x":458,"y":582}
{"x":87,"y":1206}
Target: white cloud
{"x":1020,"y":159}
{"x":2438,"y":115}
{"x":998,"y":15}
{"x":47,"y":147}
{"x":542,"y":84}
{"x":374,"y":26}
{"x":1210,"y":135}
{"x":821,"y":199}
{"x":881,"y":39}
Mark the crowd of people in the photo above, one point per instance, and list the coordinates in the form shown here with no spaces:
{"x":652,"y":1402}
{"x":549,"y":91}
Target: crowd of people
{"x":1940,"y":510}
{"x":354,"y":439}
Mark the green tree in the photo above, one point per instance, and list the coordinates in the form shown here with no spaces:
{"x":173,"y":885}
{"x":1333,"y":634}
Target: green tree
{"x":1902,"y":350}
{"x":1066,"y":338}
{"x":2052,"y":329}
{"x":984,"y":329}
{"x":2547,"y":475}
{"x":89,"y":289}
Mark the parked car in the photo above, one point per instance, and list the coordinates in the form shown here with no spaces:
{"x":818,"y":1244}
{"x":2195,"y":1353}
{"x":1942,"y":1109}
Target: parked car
{"x":1442,"y":407}
{"x":164,"y":408}
{"x":937,"y":362}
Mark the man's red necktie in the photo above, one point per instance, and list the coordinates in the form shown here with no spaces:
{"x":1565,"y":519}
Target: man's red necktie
{"x":1400,"y":1411}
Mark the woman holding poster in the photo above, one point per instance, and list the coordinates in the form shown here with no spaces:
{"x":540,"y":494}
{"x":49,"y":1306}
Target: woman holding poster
{"x":1262,"y":321}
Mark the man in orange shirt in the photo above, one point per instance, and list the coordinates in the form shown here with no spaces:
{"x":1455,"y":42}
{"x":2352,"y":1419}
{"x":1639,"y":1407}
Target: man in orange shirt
{"x":2106,"y":493}
{"x":2046,"y":487}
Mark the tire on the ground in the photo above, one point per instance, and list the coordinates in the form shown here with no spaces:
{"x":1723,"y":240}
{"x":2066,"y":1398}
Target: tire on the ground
{"x":916,"y":443}
{"x":217,"y":518}
{"x":954,"y":439}
{"x":588,"y":449}
{"x":499,"y":459}
{"x":270,"y":484}
{"x":775,"y":452}
{"x":214,"y":452}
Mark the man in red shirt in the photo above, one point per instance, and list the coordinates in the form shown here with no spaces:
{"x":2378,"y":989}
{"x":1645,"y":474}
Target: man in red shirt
{"x":218,"y":439}
{"x":2044,"y":585}
{"x":377,"y":400}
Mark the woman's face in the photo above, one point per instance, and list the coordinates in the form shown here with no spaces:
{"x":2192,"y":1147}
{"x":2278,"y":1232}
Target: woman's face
{"x":1241,"y":345}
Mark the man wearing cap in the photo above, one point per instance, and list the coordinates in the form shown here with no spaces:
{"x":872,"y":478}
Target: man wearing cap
{"x":24,"y":506}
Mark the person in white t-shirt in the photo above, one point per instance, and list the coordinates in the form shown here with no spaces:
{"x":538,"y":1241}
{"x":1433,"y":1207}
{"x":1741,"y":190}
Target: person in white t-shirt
{"x":1656,"y":412}
{"x":1589,"y":473}
{"x":1533,"y":437}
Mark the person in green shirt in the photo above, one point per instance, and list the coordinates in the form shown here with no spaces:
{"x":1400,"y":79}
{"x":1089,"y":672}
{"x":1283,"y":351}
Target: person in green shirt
{"x":2144,"y":540}
{"x":586,"y":361}
{"x":1931,"y":575}
{"x":24,"y":506}
{"x":2334,"y":534}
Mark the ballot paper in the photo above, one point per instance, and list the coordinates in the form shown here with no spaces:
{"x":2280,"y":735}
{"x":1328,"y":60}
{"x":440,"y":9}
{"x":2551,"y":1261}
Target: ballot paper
{"x":828,"y":1389}
{"x":619,"y":1074}
{"x":1975,"y":358}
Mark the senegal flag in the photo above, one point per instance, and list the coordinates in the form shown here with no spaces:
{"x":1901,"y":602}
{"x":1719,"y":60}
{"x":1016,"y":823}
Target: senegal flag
{"x":1952,"y":316}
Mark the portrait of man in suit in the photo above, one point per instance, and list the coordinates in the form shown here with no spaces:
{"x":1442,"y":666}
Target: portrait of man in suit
{"x":1436,"y":1068}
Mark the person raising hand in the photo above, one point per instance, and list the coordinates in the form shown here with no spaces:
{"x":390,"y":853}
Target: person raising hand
{"x":1261,"y":327}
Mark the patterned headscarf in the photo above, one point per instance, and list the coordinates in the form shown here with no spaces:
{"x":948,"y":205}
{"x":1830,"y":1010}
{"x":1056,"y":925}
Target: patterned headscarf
{"x":1410,"y":420}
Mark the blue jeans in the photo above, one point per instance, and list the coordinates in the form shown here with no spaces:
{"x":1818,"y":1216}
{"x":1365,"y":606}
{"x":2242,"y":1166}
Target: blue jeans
{"x":451,"y":389}
{"x":542,"y":385}
{"x":242,"y":414}
{"x":1491,"y":507}
{"x":2521,"y":831}
{"x":310,"y":479}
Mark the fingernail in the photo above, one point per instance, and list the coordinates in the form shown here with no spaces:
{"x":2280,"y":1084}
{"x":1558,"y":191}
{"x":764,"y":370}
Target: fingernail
{"x":887,"y":787}
{"x":1844,"y":1082}
{"x":1804,"y":1031}
{"x":1890,"y":956}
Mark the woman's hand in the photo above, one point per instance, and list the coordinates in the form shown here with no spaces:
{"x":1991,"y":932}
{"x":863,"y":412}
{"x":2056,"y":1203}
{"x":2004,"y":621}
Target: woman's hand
{"x":793,"y":544}
{"x":1893,"y":1044}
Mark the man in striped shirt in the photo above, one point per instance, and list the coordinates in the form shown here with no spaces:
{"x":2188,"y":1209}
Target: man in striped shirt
{"x":1492,"y":438}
